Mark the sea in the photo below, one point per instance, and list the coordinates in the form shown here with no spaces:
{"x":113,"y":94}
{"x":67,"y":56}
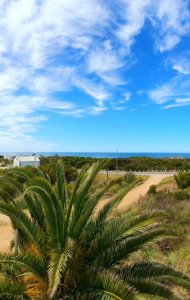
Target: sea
{"x":104,"y":154}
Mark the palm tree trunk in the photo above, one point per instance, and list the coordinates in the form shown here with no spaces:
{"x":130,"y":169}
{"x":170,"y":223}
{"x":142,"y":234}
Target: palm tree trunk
{"x":16,"y":238}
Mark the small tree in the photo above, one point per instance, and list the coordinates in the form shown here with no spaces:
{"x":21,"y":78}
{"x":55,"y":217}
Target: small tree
{"x":152,"y":189}
{"x":182,"y":180}
{"x":130,"y":178}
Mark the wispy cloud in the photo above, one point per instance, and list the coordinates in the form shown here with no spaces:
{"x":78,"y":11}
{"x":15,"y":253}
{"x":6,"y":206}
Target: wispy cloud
{"x":170,"y":19}
{"x":176,"y":92}
{"x":34,"y":58}
{"x":127,"y":96}
{"x":97,"y":91}
{"x":175,"y":105}
{"x":82,"y":112}
{"x":105,"y":62}
{"x":180,"y":63}
{"x":22,"y":142}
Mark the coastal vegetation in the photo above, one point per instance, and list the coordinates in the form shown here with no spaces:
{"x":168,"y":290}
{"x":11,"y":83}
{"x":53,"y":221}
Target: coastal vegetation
{"x":125,"y":164}
{"x":175,"y":202}
{"x":71,"y":242}
{"x":182,"y":180}
{"x":131,"y":164}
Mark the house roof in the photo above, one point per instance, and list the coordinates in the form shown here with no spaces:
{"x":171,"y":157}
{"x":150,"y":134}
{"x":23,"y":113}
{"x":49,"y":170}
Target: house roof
{"x":27,"y":158}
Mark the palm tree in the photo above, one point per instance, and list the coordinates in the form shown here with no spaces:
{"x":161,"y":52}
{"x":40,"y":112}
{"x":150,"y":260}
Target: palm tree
{"x":74,"y":248}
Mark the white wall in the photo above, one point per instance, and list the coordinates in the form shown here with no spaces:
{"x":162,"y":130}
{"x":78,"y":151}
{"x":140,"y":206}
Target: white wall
{"x":17,"y":163}
{"x":29,"y":163}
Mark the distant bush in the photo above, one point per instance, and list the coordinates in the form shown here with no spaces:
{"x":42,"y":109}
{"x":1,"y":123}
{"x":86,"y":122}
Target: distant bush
{"x":50,"y":169}
{"x":182,"y":180}
{"x":152,"y":189}
{"x":181,"y":195}
{"x":129,"y":178}
{"x":127,"y":164}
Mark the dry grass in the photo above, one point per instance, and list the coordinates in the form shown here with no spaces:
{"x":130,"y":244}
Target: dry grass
{"x":102,"y":178}
{"x":167,"y":180}
{"x":167,"y":183}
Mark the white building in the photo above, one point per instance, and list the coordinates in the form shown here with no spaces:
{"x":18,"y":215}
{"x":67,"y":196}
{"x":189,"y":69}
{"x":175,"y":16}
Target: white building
{"x":22,"y":161}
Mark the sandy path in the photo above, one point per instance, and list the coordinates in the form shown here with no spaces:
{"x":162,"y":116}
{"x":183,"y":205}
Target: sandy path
{"x":134,"y":195}
{"x":6,"y":233}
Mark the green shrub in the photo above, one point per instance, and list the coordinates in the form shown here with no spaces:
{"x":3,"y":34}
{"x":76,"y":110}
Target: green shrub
{"x":50,"y":169}
{"x":152,"y":189}
{"x":181,"y":195}
{"x":182,"y":180}
{"x":129,"y":178}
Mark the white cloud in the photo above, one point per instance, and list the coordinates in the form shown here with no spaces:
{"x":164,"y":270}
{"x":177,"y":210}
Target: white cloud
{"x":162,"y":94}
{"x":82,"y":112}
{"x":175,"y":105}
{"x":180,"y":63}
{"x":127,"y":96}
{"x":171,"y":19}
{"x":119,"y":107}
{"x":23,"y":143}
{"x":97,"y":91}
{"x":105,"y":62}
{"x":182,"y":67}
{"x":34,"y":37}
{"x":134,"y":13}
{"x":176,"y":92}
{"x":39,"y":29}
{"x":53,"y":46}
{"x":182,"y":100}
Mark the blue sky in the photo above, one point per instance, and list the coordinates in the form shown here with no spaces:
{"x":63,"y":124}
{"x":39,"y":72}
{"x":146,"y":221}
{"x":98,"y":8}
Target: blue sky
{"x":95,"y":75}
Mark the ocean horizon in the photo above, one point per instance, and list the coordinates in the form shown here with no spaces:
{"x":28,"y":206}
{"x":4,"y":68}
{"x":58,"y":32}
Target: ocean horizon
{"x":104,"y":154}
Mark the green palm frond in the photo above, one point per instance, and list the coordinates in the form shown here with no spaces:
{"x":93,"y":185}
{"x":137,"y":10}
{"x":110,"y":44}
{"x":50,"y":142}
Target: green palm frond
{"x":6,"y":195}
{"x":62,"y":198}
{"x":35,"y":209}
{"x":122,"y":249}
{"x":152,"y":270}
{"x":110,"y":205}
{"x":150,"y":287}
{"x":32,"y":231}
{"x":28,"y":262}
{"x":119,"y":228}
{"x":82,"y":194}
{"x":61,"y":185}
{"x":10,"y":187}
{"x":11,"y":181}
{"x":25,"y":173}
{"x":51,"y":208}
{"x":58,"y":266}
{"x":71,"y":200}
{"x":157,"y":272}
{"x":90,"y":207}
{"x":96,"y":224}
{"x":10,"y":290}
{"x":104,"y":285}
